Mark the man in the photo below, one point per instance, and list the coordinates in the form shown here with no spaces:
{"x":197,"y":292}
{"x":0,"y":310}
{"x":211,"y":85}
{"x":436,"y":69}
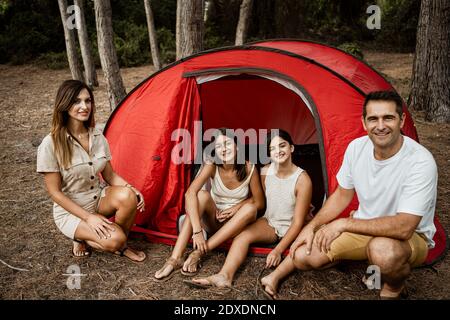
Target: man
{"x":395,"y":179}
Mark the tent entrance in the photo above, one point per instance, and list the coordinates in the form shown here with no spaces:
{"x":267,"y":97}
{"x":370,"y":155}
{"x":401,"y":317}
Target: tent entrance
{"x":253,"y":102}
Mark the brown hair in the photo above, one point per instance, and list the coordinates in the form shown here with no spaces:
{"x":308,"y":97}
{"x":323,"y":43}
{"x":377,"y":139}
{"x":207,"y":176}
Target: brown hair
{"x":386,"y":95}
{"x":65,"y":98}
{"x":240,"y":168}
{"x":278,"y":133}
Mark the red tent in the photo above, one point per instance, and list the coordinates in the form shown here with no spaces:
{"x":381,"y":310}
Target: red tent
{"x":313,"y":91}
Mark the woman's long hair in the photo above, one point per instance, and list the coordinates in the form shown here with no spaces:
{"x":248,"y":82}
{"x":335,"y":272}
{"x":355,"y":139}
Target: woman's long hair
{"x":65,"y":98}
{"x":240,"y":168}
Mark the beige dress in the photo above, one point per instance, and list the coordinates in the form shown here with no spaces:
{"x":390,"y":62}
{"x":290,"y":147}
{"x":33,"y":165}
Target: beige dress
{"x":80,"y":182}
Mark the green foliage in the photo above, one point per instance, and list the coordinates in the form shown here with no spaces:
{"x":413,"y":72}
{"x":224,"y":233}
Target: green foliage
{"x":399,"y":20}
{"x":131,"y":33}
{"x":132,"y":44}
{"x":220,"y":27}
{"x":33,"y":30}
{"x":4,"y":5}
{"x":352,"y":48}
{"x":166,"y":42}
{"x":28,"y":29}
{"x":53,"y":60}
{"x":164,"y":13}
{"x":212,"y":39}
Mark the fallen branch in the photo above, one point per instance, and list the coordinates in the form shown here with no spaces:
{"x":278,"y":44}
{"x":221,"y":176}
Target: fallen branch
{"x":9,"y":266}
{"x":132,"y":291}
{"x":100,"y":276}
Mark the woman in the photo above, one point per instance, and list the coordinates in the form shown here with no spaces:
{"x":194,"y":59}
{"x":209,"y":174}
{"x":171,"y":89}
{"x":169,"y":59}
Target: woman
{"x":288,"y":191}
{"x":224,"y":212}
{"x":71,"y":158}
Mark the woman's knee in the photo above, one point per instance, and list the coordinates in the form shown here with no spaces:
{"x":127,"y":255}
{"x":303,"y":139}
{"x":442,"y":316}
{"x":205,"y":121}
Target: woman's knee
{"x":125,"y":197}
{"x":116,"y":242}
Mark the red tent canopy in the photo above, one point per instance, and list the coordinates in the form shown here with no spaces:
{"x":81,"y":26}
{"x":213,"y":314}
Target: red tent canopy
{"x":313,"y":91}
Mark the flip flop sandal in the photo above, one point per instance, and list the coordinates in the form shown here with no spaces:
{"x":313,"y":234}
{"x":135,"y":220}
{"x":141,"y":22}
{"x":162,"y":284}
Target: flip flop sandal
{"x":176,"y":265}
{"x":404,"y":294}
{"x":210,"y":284}
{"x":86,"y":255}
{"x":190,"y":274}
{"x":366,"y":282}
{"x":196,"y":260}
{"x":197,"y":285}
{"x":122,"y":254}
{"x":87,"y":252}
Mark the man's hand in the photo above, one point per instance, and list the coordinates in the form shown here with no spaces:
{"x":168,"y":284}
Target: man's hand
{"x":305,"y":237}
{"x":328,"y":233}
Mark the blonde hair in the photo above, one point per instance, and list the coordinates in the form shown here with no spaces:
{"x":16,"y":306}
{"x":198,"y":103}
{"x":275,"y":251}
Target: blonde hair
{"x":65,"y":98}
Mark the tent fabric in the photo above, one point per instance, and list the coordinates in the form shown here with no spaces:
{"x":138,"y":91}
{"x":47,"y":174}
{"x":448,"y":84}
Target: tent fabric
{"x":284,"y":83}
{"x":273,"y":100}
{"x":250,"y":86}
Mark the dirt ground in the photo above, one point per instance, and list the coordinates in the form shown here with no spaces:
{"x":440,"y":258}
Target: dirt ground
{"x":29,"y":239}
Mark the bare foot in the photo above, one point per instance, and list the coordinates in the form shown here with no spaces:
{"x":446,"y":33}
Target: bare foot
{"x":270,"y":286}
{"x":134,"y":255}
{"x":218,"y":280}
{"x":80,"y":249}
{"x":391,"y":293}
{"x":192,"y":263}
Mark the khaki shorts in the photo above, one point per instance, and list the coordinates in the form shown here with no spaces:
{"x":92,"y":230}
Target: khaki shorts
{"x":352,"y":246}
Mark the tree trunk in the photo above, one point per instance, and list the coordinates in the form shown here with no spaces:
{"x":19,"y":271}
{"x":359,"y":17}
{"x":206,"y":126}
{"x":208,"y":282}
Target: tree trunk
{"x":86,"y":51}
{"x":189,"y":27}
{"x":178,"y":29}
{"x":152,"y":35}
{"x":244,"y":19}
{"x":431,"y":68}
{"x":107,"y":52}
{"x":71,"y":47}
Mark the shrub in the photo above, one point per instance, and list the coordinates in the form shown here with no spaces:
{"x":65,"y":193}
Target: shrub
{"x":352,"y":48}
{"x":212,"y":39}
{"x":399,"y":24}
{"x":167,"y":46}
{"x":132,"y":44}
{"x":53,"y":60}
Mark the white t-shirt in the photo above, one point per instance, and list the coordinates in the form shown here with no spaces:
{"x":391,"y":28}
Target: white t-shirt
{"x":406,"y":182}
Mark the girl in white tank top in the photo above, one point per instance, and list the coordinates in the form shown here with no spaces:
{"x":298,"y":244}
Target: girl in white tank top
{"x":225,"y":198}
{"x":235,"y":197}
{"x":288,"y":191}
